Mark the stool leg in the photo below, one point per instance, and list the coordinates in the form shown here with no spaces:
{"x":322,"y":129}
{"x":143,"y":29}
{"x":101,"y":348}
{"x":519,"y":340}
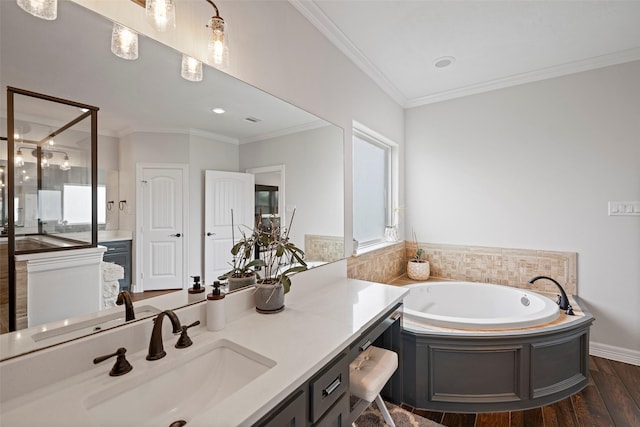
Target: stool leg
{"x":385,"y":412}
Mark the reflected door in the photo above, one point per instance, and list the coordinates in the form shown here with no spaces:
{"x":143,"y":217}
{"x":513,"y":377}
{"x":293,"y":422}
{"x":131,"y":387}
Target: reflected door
{"x":162,"y":233}
{"x":225,"y":191}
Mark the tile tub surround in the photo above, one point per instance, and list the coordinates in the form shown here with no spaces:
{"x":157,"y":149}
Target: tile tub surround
{"x":502,"y":266}
{"x":322,"y":300}
{"x":323,"y":248}
{"x":380,"y":265}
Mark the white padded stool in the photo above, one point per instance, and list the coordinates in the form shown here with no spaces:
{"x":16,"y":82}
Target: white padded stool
{"x":369,"y":372}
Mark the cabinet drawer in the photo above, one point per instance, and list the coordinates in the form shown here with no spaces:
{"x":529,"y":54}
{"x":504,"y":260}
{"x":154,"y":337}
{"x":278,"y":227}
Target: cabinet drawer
{"x":328,"y":386}
{"x":117,"y":246}
{"x":369,"y":336}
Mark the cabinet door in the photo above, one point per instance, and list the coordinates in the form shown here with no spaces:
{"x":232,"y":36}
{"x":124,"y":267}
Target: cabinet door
{"x":292,"y":412}
{"x":338,"y":415}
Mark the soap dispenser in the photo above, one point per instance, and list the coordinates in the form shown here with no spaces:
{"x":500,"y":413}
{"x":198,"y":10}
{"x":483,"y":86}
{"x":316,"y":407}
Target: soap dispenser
{"x":196,"y":292}
{"x":215,"y":308}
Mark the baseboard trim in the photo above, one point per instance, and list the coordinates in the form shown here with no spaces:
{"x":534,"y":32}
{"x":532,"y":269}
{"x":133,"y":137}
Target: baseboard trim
{"x":620,"y":354}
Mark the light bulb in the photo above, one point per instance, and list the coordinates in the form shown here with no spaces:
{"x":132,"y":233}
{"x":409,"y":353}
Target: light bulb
{"x":161,"y":14}
{"x":218,"y":50}
{"x":44,"y":9}
{"x":65,"y":166}
{"x":124,"y":42}
{"x":191,"y":69}
{"x":44,"y":163}
{"x":19,"y":158}
{"x":51,"y":141}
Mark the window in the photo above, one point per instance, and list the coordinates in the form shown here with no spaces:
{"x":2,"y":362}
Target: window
{"x":77,"y":204}
{"x":372,"y":186}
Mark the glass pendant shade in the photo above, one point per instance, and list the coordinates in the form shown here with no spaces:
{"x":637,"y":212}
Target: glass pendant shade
{"x":19,"y":159}
{"x":65,"y":166}
{"x":124,"y":42}
{"x":217,"y":46}
{"x":44,"y":9}
{"x":191,"y":69}
{"x":161,"y":14}
{"x":44,"y":162}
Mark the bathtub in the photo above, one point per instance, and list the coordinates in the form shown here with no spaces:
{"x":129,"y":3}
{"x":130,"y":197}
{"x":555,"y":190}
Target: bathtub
{"x":475,"y":347}
{"x":468,"y":305}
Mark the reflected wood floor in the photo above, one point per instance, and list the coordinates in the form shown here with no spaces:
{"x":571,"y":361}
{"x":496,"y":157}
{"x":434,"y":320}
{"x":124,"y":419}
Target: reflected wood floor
{"x":612,"y":398}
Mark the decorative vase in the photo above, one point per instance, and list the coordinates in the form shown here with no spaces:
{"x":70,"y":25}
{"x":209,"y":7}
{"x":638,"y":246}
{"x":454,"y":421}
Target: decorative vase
{"x":269,"y":297}
{"x":241,"y":282}
{"x":418,"y":270}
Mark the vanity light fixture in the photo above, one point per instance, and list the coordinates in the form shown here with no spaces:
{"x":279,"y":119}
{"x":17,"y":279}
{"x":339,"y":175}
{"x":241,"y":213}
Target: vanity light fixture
{"x":124,"y":42}
{"x":217,"y":45}
{"x":65,"y":166}
{"x":19,"y":158}
{"x":43,"y":9}
{"x":161,"y":14}
{"x":191,"y":69}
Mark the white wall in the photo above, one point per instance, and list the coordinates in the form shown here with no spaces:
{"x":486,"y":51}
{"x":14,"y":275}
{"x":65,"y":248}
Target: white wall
{"x":314,"y":179}
{"x":534,"y":166}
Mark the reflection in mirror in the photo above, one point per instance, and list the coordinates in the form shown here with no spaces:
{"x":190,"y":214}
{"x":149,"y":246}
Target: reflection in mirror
{"x":140,"y":123}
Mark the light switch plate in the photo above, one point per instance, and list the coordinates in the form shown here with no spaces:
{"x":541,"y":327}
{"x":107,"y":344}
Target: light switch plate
{"x":624,"y":208}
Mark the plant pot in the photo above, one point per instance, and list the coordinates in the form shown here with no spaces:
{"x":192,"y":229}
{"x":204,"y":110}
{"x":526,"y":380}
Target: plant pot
{"x":418,"y":270}
{"x":269,"y":297}
{"x":241,"y":282}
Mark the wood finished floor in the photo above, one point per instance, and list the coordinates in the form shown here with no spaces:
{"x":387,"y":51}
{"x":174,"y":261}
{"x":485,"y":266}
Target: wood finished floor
{"x":612,"y":398}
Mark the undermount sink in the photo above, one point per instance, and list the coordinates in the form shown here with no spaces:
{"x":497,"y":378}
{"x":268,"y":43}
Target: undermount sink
{"x":180,"y":388}
{"x":80,"y":329}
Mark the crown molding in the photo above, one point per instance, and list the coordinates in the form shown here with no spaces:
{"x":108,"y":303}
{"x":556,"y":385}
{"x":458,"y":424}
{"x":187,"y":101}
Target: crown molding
{"x":283,"y":132}
{"x":178,"y":131}
{"x":319,"y":19}
{"x":530,"y":77}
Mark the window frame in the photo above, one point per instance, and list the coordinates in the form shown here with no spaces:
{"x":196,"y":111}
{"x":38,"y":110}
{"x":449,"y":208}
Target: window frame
{"x":390,"y":148}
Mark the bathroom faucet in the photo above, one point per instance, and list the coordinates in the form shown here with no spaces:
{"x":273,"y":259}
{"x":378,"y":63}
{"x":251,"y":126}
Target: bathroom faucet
{"x":124,"y":297}
{"x":563,"y":301}
{"x":156,"y":347}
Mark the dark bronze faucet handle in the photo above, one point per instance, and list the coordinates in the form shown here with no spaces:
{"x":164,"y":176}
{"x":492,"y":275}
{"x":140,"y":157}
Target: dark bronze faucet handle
{"x":184,"y":341}
{"x":122,"y":365}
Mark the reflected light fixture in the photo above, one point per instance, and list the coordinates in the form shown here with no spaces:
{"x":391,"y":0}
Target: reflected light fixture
{"x":124,"y":42}
{"x":44,"y":9}
{"x":217,"y":45}
{"x":191,"y":69}
{"x":19,"y":158}
{"x":65,"y":166}
{"x":44,"y":162}
{"x":161,"y":14}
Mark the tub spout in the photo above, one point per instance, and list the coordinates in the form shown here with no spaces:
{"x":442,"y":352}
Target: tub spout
{"x":563,"y":301}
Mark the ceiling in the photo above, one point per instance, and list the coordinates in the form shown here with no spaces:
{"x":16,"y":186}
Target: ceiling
{"x":495,"y":43}
{"x":70,"y":58}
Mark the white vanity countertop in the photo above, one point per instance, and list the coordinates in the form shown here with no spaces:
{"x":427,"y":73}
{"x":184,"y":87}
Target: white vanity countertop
{"x":320,"y":319}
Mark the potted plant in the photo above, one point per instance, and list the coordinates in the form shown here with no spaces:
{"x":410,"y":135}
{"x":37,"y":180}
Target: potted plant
{"x":418,"y":267}
{"x":281,"y":258}
{"x":243,"y":272}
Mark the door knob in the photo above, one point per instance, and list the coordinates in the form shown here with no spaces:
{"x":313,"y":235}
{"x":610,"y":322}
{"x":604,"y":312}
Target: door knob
{"x":211,"y":234}
{"x":176,"y":235}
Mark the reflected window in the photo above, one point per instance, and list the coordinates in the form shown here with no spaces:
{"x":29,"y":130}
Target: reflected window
{"x":77,"y":204}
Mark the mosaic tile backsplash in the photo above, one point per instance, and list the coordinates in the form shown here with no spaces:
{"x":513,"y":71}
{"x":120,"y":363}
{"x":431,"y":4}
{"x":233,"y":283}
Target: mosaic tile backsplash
{"x":503,"y":266}
{"x":323,"y":248}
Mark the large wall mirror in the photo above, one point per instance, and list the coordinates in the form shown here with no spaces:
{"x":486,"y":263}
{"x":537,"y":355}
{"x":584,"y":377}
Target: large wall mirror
{"x":149,"y":114}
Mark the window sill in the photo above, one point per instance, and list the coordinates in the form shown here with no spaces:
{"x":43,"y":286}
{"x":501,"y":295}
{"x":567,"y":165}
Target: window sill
{"x":375,"y":247}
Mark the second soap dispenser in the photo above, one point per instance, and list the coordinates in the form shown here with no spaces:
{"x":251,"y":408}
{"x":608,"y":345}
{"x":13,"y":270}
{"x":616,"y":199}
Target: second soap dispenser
{"x":216,"y":315}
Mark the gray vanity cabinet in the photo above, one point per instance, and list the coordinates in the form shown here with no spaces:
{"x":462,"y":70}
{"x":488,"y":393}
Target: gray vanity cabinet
{"x":119,"y":252}
{"x":292,"y":412}
{"x":324,"y":400}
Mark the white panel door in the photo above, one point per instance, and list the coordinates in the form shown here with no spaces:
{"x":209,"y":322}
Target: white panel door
{"x":225,"y":191}
{"x":162,"y":231}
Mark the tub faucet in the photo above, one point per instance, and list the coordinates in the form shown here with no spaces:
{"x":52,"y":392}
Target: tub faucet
{"x":563,"y":301}
{"x":124,"y":297}
{"x":156,"y":347}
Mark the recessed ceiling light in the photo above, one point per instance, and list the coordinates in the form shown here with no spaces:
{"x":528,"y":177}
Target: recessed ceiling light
{"x":444,"y":61}
{"x":218,"y":110}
